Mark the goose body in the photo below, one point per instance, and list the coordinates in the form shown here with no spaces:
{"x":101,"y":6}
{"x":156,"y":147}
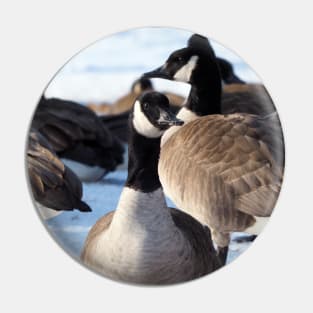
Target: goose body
{"x":117,"y":124}
{"x":227,"y":72}
{"x":227,"y":161}
{"x":54,"y":186}
{"x":141,"y":244}
{"x":144,"y":241}
{"x":79,"y":137}
{"x":223,"y":169}
{"x":241,"y":97}
{"x":247,"y":98}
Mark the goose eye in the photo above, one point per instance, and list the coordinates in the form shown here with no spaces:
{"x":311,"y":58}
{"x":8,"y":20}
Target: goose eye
{"x":178,"y":59}
{"x":146,"y":105}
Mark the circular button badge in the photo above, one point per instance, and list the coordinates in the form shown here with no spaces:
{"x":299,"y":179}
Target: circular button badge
{"x":155,"y":156}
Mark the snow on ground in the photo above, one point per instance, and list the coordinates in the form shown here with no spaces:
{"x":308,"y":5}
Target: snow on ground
{"x":105,"y":71}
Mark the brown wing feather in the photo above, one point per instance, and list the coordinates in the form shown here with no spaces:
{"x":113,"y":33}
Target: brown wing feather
{"x":53,"y":184}
{"x":46,"y":170}
{"x":219,"y":164}
{"x":259,"y":202}
{"x":271,"y":134}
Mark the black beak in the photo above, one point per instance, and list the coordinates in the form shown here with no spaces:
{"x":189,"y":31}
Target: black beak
{"x":168,"y":118}
{"x":160,"y":72}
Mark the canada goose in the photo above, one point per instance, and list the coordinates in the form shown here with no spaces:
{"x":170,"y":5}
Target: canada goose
{"x":117,"y":124}
{"x":225,"y":170}
{"x":79,"y":137}
{"x":144,"y":241}
{"x":247,"y":98}
{"x":237,"y":95}
{"x":227,"y":72}
{"x":116,"y":118}
{"x":241,"y":97}
{"x":54,"y":186}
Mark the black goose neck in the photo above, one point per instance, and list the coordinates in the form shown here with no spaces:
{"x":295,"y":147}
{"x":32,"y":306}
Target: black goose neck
{"x":206,"y":89}
{"x":143,"y":156}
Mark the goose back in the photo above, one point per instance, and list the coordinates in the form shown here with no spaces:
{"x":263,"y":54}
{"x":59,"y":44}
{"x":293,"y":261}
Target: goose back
{"x":76,"y":133}
{"x":220,"y":170}
{"x":144,"y":241}
{"x":246,"y":98}
{"x":53,"y":184}
{"x":117,"y":124}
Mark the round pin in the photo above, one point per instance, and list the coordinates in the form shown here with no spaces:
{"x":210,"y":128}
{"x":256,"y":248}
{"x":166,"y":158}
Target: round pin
{"x":155,"y":156}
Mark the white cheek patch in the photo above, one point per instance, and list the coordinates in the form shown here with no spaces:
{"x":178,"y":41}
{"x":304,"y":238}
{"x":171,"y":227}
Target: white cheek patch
{"x":142,"y":125}
{"x":184,"y":74}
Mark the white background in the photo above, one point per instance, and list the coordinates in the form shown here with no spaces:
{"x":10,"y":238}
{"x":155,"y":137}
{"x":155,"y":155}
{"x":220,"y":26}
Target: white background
{"x":275,"y":38}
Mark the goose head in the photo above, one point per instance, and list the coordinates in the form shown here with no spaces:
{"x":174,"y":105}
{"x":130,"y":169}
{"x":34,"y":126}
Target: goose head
{"x":187,"y":64}
{"x":152,"y":116}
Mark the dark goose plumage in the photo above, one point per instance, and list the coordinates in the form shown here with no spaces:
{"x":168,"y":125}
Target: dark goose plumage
{"x":144,"y":241}
{"x":227,"y":72}
{"x":224,"y":169}
{"x":117,"y":124}
{"x":241,"y":97}
{"x":76,"y":133}
{"x":247,"y":98}
{"x":53,"y":185}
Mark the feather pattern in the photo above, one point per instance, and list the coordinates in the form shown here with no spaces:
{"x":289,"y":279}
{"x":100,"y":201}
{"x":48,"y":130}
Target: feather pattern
{"x":230,"y":163}
{"x":53,"y":185}
{"x":246,"y":98}
{"x":201,"y":260}
{"x":76,"y":133}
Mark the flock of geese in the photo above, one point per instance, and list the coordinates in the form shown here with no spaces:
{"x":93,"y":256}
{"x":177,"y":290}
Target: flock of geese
{"x":218,"y":155}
